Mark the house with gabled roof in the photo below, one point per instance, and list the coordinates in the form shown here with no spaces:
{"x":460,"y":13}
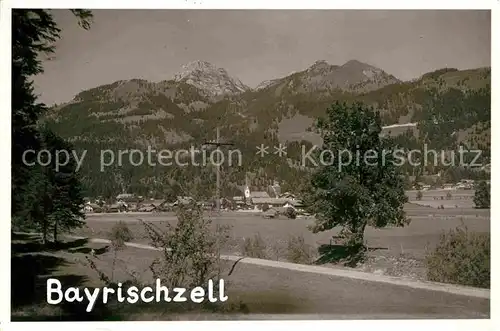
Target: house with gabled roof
{"x":259,"y":194}
{"x":126,"y":197}
{"x":183,"y":201}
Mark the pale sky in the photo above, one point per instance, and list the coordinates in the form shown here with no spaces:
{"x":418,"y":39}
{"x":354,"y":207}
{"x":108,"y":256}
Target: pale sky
{"x":258,"y":45}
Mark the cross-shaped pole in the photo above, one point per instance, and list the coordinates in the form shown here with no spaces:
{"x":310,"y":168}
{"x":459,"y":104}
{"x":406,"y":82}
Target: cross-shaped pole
{"x":217,"y":193}
{"x":218,"y":144}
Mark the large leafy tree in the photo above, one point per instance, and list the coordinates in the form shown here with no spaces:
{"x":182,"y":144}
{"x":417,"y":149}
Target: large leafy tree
{"x":41,"y":196}
{"x":369,"y":189}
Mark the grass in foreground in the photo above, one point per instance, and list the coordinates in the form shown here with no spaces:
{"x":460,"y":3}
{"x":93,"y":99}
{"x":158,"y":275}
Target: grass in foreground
{"x":33,"y":264}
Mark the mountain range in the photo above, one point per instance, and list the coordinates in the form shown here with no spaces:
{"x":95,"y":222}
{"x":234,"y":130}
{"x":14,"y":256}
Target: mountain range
{"x":447,"y":107}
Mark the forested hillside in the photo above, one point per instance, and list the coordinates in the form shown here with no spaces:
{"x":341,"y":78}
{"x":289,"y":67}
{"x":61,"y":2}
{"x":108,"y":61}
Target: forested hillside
{"x":449,"y":106}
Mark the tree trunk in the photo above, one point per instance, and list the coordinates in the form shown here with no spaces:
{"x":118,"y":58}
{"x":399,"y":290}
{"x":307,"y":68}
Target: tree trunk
{"x":45,"y":207}
{"x":357,"y":234}
{"x":113,"y":266}
{"x":55,"y":231}
{"x":44,"y":230}
{"x":361,"y":234}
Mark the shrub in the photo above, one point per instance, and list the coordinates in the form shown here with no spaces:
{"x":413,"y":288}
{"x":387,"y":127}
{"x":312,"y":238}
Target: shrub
{"x":482,"y":195}
{"x":278,"y":249}
{"x":190,"y":250}
{"x":298,"y":251}
{"x":290,"y":213}
{"x":461,"y":257}
{"x":254,"y":247}
{"x":265,"y":207}
{"x":119,"y":235}
{"x":419,"y":195}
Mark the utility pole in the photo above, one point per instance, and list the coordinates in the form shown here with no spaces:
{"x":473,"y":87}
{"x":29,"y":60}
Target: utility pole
{"x":218,"y":144}
{"x":217,"y":189}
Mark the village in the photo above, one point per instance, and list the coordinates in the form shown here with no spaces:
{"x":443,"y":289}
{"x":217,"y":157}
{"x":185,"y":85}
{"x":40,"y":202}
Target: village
{"x":464,"y":184}
{"x":271,"y":202}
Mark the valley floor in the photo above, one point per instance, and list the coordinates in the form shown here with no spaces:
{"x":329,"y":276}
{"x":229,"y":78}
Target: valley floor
{"x":265,"y":292}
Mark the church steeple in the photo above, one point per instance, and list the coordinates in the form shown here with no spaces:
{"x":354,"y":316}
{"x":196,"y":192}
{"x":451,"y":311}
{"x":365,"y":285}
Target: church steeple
{"x":247,"y":187}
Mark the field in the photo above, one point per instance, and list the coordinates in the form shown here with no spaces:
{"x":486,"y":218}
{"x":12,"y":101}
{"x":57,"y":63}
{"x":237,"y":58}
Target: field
{"x":401,"y":246}
{"x":425,"y":227}
{"x":254,"y":292}
{"x":460,"y":199}
{"x":260,"y":292}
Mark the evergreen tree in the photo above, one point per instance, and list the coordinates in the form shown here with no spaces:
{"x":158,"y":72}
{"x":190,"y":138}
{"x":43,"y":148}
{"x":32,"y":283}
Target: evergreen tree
{"x":33,"y":208}
{"x":357,"y":194}
{"x":40,"y":195}
{"x":66,"y":192}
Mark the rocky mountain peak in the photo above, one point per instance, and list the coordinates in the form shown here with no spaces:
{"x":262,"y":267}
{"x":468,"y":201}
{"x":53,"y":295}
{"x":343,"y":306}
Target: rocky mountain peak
{"x":353,"y":75}
{"x":319,"y":64}
{"x":355,"y":66}
{"x":209,"y":78}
